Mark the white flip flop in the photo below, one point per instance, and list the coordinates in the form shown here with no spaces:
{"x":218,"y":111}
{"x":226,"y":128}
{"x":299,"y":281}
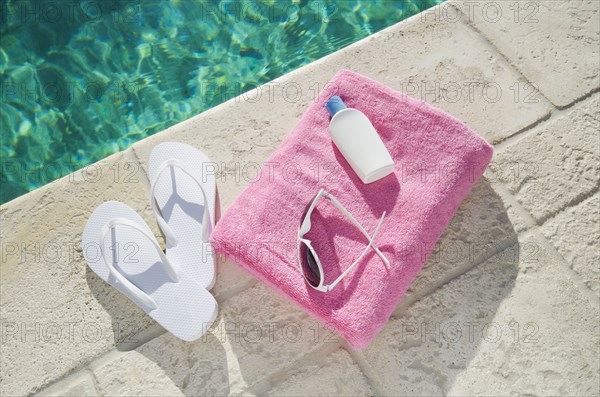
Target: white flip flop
{"x":183,"y":199}
{"x":120,"y":248}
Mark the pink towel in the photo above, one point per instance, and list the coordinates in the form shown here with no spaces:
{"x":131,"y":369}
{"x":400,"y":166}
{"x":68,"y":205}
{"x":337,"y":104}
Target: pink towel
{"x":438,"y":159}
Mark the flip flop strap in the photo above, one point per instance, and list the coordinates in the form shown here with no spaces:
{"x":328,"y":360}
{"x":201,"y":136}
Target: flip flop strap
{"x":140,"y":296}
{"x":167,"y":230}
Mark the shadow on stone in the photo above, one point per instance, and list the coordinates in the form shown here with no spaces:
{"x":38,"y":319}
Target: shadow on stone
{"x":434,"y":334}
{"x":126,"y":318}
{"x":197,"y":368}
{"x":450,"y":308}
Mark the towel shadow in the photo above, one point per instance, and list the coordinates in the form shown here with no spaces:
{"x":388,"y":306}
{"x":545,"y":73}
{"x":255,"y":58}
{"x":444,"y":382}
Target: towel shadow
{"x":450,"y":309}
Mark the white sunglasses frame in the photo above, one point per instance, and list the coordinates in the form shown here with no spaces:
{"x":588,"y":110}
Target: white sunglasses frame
{"x":305,"y":228}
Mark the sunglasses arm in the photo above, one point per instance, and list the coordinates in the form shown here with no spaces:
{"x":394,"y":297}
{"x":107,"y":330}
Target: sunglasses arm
{"x":372,"y":241}
{"x":370,"y":245}
{"x":359,"y":226}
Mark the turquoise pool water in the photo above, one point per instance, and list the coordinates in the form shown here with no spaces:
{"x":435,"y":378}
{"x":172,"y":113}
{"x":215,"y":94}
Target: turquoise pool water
{"x":80,"y":80}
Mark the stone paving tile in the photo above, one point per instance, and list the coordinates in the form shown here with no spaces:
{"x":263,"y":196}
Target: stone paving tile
{"x":575,"y":233}
{"x":334,"y":375}
{"x":256,"y":334}
{"x":479,"y":227}
{"x":556,"y":163}
{"x":238,"y":137}
{"x":519,"y":218}
{"x":56,"y":314}
{"x":134,"y":375}
{"x":555,"y":44}
{"x":512,"y":325}
{"x":265,"y":333}
{"x":230,"y":277}
{"x":81,"y":384}
{"x":170,"y":364}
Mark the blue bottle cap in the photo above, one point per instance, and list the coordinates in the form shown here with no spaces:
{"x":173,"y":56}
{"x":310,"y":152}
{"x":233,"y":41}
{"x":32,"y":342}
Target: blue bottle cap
{"x":334,"y":105}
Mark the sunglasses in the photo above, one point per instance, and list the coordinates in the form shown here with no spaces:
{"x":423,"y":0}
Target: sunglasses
{"x":310,"y":265}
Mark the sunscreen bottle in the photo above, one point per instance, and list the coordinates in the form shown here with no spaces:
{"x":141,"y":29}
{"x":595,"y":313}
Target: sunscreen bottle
{"x":359,"y":142}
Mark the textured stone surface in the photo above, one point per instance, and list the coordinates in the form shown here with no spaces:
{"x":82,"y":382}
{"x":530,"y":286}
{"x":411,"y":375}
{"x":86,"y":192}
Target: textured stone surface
{"x":56,"y":313}
{"x":255,"y":335}
{"x":82,"y":384}
{"x":555,"y":44}
{"x":446,"y":69}
{"x":175,"y":366}
{"x":479,"y":228}
{"x":556,"y":163}
{"x":134,"y":375}
{"x":265,"y":333}
{"x":264,"y":345}
{"x":450,"y":67}
{"x":334,"y":375}
{"x":230,"y":279}
{"x":518,"y":217}
{"x":513,"y":325}
{"x":576,"y":235}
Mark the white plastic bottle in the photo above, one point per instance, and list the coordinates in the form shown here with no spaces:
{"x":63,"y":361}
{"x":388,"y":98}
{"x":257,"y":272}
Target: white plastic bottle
{"x":359,"y":142}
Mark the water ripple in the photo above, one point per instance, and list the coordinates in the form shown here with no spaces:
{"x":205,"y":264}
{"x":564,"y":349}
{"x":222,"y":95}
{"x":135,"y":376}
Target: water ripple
{"x":103,"y":74}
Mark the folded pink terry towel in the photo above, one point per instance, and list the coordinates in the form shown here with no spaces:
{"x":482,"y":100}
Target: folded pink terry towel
{"x":438,"y":159}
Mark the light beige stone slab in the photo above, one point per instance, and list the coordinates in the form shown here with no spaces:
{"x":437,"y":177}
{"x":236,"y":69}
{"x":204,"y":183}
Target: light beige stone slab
{"x":135,"y":375}
{"x":554,"y":43}
{"x":178,"y":367}
{"x":516,"y":324}
{"x":518,"y":217}
{"x":479,"y":229}
{"x":56,"y":313}
{"x":238,"y":136}
{"x":256,"y":334}
{"x":556,"y":163}
{"x":576,"y":235}
{"x":265,"y":333}
{"x":333,"y":375}
{"x":230,"y":279}
{"x":78,"y":385}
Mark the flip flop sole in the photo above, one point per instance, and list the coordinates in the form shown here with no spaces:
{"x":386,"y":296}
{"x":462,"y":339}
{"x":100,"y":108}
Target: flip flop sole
{"x":184,"y":308}
{"x":182,"y":205}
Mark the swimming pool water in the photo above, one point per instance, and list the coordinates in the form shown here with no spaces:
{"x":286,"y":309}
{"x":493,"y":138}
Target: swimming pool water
{"x":80,"y":80}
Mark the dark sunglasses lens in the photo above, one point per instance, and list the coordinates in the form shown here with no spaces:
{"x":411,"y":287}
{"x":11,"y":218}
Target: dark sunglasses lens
{"x":309,"y":266}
